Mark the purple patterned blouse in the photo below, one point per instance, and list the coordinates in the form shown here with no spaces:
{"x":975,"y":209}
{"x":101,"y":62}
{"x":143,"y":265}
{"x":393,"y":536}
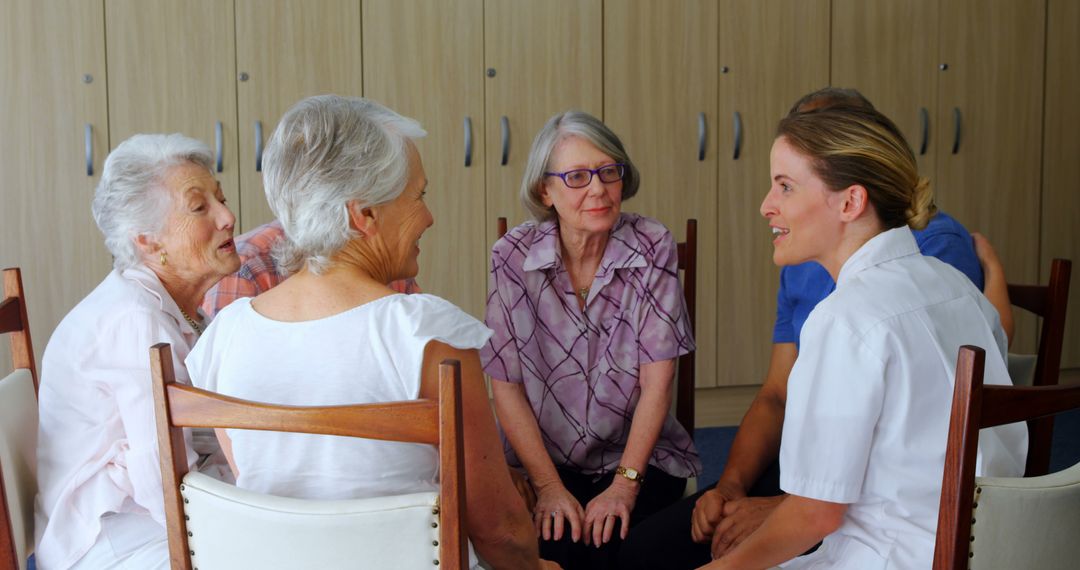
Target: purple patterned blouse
{"x":580,"y":368}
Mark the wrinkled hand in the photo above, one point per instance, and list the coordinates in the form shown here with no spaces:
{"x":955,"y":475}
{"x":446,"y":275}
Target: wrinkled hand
{"x":741,"y":517}
{"x":614,"y":504}
{"x":524,"y":488}
{"x":555,"y":508}
{"x":709,"y":509}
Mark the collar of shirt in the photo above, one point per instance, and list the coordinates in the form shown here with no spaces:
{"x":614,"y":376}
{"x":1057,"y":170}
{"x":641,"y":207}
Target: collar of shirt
{"x":148,"y":280}
{"x":886,"y":246}
{"x":623,"y":250}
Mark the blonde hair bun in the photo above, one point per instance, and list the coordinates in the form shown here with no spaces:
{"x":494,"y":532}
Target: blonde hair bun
{"x":922,"y":205}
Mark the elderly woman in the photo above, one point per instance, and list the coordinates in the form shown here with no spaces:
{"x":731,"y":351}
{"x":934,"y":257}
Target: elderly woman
{"x":588,"y":318}
{"x":868,"y":398}
{"x":164,"y":219}
{"x":344,"y":178}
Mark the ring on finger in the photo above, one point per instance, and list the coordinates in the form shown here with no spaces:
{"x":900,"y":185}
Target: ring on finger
{"x":554,"y":514}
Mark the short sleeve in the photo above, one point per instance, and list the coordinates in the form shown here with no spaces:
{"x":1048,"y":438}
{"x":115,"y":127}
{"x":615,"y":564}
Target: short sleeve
{"x":835,"y":395}
{"x":783,"y":330}
{"x":499,"y":356}
{"x":664,"y":330}
{"x":438,"y":319}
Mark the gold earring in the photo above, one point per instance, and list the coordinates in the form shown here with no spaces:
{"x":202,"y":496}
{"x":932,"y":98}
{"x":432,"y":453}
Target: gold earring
{"x":164,"y":258}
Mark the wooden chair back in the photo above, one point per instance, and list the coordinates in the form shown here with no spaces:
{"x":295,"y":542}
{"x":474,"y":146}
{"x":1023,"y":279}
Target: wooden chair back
{"x":19,"y":425}
{"x":684,"y":376}
{"x":418,"y":421}
{"x":976,"y":406}
{"x":1049,"y":302}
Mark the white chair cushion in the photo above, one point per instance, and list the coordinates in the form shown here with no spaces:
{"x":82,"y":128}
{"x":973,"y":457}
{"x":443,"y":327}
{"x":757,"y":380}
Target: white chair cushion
{"x":1027,"y":523}
{"x":18,"y":455}
{"x":234,"y":528}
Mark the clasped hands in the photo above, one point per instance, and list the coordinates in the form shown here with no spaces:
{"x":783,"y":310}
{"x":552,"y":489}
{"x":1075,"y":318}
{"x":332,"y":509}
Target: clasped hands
{"x":556,"y":508}
{"x":724,"y":516}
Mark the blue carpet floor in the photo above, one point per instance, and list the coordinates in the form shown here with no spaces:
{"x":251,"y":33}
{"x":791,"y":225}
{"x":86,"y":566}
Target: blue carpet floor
{"x":714,"y":443}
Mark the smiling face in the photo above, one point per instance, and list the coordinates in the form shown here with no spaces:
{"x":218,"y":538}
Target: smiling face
{"x":801,"y":209}
{"x":404,"y":220}
{"x":593,"y":209}
{"x":197,"y":236}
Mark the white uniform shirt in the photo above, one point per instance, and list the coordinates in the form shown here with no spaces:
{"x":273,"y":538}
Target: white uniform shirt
{"x":869,"y":399}
{"x":372,"y":353}
{"x":97,"y":443}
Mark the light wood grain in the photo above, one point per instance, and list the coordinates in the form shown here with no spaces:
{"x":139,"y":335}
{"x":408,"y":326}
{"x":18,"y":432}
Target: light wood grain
{"x":289,"y":50}
{"x":775,"y":52}
{"x":654,"y":91}
{"x":994,"y":50}
{"x":424,"y":58}
{"x":1061,"y":149}
{"x":46,"y":228}
{"x":547,"y":59}
{"x":888,"y":51}
{"x":172,"y":68}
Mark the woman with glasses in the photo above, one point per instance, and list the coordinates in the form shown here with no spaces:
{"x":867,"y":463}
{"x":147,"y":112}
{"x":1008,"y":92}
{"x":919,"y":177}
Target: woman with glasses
{"x":588,"y":318}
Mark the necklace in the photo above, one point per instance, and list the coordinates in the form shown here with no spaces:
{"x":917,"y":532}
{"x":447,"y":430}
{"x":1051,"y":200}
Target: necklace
{"x":191,"y":321}
{"x":584,"y":293}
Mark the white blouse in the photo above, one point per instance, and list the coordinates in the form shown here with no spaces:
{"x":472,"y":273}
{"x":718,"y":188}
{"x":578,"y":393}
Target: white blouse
{"x":97,"y":444}
{"x":371,"y":353}
{"x":869,"y":399}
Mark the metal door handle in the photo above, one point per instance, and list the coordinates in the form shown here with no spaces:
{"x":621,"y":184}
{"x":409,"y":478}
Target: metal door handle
{"x":468,"y":142}
{"x":88,"y":140}
{"x":924,"y":123}
{"x":957,"y":119}
{"x":258,"y":146}
{"x":219,"y":144}
{"x":504,"y":126}
{"x":701,"y":136}
{"x":738,"y":136}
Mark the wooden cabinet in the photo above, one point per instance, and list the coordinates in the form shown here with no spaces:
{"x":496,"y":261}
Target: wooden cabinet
{"x":771,"y":53}
{"x":424,"y":59}
{"x":172,"y":68}
{"x":660,"y":97}
{"x":1061,"y":149}
{"x":963,"y":80}
{"x":541,"y":58}
{"x":287,"y":50}
{"x":54,"y":136}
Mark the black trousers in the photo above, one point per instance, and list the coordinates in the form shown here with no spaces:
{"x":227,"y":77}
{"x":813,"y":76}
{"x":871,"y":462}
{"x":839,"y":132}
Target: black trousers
{"x":663,"y":541}
{"x":658,"y":491}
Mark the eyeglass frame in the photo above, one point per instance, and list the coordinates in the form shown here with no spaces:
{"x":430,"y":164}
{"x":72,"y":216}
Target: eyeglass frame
{"x":592,"y":172}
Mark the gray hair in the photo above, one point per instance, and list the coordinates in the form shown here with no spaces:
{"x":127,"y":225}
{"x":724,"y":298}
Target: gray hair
{"x":568,"y":124}
{"x":131,"y":199}
{"x":328,"y":151}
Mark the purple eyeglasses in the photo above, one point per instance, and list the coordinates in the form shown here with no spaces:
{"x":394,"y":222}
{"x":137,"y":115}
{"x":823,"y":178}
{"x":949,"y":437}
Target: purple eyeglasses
{"x":582,"y":177}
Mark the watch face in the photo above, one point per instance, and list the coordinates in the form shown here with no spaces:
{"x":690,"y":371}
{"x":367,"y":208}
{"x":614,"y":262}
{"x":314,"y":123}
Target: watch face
{"x":631,"y":473}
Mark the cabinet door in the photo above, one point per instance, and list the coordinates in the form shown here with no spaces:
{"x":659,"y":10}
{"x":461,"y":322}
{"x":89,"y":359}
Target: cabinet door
{"x":659,"y":97}
{"x":52,"y":89}
{"x":991,"y":96}
{"x":1061,"y":147}
{"x":888,"y":51}
{"x":172,"y":68}
{"x":287,"y":50}
{"x":542,"y":58}
{"x":424,"y":58}
{"x":771,"y":53}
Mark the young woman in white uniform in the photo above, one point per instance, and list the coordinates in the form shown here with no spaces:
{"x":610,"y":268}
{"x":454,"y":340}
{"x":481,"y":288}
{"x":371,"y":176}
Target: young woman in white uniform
{"x":869,"y":397}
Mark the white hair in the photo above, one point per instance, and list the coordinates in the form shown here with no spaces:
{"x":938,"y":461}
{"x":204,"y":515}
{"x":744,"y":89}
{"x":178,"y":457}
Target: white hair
{"x":328,"y":151}
{"x":131,"y":199}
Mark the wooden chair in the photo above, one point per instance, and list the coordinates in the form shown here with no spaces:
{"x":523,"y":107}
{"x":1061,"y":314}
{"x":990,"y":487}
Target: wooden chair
{"x":684,"y":383}
{"x":215,"y":525}
{"x":1049,"y":302}
{"x":1001,"y":522}
{"x":18,"y":430}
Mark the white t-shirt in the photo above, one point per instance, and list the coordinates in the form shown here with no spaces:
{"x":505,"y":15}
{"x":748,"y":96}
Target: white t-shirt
{"x":869,"y":399}
{"x":371,"y":353}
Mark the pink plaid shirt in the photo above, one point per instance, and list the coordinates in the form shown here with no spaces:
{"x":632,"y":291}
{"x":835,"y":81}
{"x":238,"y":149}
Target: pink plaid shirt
{"x":259,"y":272}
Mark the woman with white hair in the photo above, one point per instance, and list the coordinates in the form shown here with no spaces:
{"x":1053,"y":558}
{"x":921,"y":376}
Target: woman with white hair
{"x":588,"y":319}
{"x":346,"y":181}
{"x":164,"y":219}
